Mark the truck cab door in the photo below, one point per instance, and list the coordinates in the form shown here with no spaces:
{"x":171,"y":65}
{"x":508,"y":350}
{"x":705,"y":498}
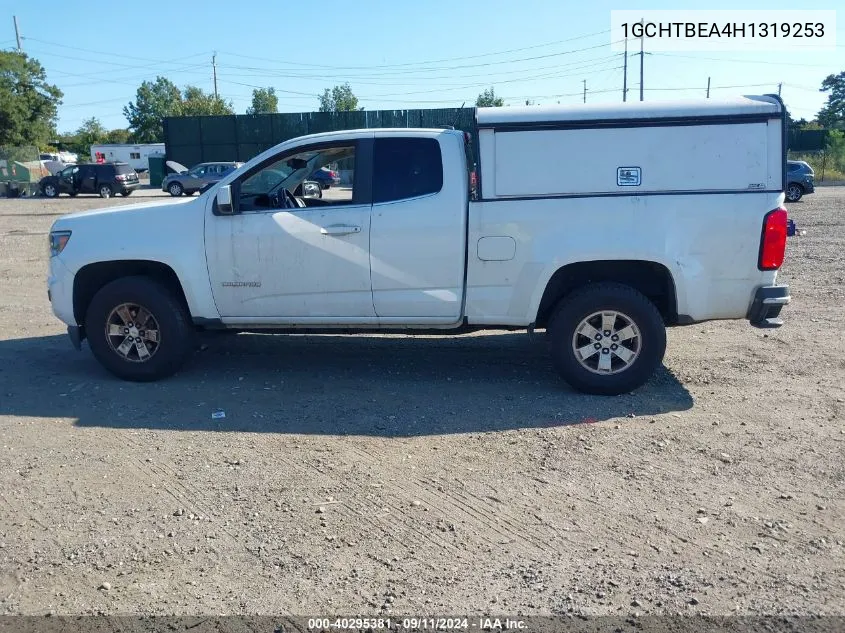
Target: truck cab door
{"x":418,"y":232}
{"x":276,"y":259}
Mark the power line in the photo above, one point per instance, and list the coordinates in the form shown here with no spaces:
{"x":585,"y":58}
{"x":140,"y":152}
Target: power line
{"x":112,"y":54}
{"x":117,"y":64}
{"x":434,"y":61}
{"x":741,"y":61}
{"x":388,"y":78}
{"x":460,"y":67}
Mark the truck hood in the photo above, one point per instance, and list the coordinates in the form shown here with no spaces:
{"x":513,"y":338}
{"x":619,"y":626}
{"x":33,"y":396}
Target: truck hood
{"x":68,"y":222}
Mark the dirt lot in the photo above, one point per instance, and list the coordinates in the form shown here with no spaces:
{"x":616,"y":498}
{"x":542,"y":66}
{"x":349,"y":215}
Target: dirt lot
{"x":424,"y":475}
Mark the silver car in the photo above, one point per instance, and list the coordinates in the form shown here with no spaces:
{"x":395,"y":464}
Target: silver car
{"x":189,"y":181}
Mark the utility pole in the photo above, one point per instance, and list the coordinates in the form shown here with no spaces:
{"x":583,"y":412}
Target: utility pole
{"x":585,"y":90}
{"x":214,"y":71}
{"x":642,"y":57}
{"x":17,"y":33}
{"x":625,"y":74}
{"x":708,"y":87}
{"x":779,"y":87}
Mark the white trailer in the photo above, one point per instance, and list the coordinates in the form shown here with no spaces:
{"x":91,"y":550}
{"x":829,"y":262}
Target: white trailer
{"x":135,"y":155}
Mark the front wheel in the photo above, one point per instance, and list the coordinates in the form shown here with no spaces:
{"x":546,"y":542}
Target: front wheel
{"x":138,"y":329}
{"x":794,"y":192}
{"x":606,"y":339}
{"x":50,"y":190}
{"x":175,"y":189}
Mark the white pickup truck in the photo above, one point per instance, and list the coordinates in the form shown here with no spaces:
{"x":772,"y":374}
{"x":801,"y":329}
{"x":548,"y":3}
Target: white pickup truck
{"x":600,"y":224}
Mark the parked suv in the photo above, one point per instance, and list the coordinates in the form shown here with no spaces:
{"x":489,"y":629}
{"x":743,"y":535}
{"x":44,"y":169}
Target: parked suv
{"x":189,"y":181}
{"x":104,"y":179}
{"x":799,"y":179}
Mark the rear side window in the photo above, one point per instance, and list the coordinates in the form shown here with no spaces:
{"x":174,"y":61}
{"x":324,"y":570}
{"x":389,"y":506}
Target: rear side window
{"x":124,"y":169}
{"x":406,"y":168}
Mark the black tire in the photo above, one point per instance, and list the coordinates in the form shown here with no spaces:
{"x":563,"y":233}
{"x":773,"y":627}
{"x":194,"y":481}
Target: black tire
{"x":189,"y":192}
{"x":73,"y":194}
{"x":175,"y":332}
{"x":572,"y":310}
{"x":175,"y":189}
{"x":50,"y":190}
{"x":126,"y":194}
{"x":105,"y":191}
{"x":794,"y":192}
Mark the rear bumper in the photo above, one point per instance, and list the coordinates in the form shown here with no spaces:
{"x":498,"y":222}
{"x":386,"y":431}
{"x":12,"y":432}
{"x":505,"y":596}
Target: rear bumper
{"x":129,"y":186}
{"x":767,"y":304}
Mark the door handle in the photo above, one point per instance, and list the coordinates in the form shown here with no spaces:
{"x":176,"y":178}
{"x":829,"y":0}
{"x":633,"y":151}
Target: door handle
{"x":339,"y":229}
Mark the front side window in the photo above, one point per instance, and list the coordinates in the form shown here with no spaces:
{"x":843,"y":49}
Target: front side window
{"x":198,"y":172}
{"x":275,"y":185}
{"x":406,"y":168}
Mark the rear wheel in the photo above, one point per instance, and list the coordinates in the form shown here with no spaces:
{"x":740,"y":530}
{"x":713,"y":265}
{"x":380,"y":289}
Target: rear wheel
{"x":138,"y":329}
{"x":175,"y":189}
{"x":126,"y":193}
{"x":794,"y":192}
{"x":606,"y":339}
{"x":105,"y":191}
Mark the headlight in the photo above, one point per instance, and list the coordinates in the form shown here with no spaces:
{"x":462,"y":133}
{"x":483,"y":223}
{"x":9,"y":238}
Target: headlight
{"x":58,"y":241}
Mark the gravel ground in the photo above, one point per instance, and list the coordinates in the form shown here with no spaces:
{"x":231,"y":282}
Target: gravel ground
{"x":424,"y":475}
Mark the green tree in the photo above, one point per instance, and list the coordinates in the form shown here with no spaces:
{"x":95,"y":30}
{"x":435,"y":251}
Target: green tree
{"x":197,"y":102}
{"x":264,"y":101}
{"x":832,"y":115}
{"x":91,"y":132}
{"x":488,"y":99}
{"x":120,"y":136}
{"x":28,"y":104}
{"x":154,"y":100}
{"x":338,"y":99}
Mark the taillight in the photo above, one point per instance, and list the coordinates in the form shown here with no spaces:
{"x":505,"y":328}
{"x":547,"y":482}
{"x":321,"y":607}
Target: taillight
{"x":773,"y":240}
{"x":120,"y":177}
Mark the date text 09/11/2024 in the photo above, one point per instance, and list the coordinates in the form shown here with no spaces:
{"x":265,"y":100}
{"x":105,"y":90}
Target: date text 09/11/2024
{"x":416,"y":624}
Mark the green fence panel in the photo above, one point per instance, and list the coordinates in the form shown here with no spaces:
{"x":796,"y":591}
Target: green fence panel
{"x":218,"y":130}
{"x":182,"y":130}
{"x":254,"y":128}
{"x":187,"y":155}
{"x":191,"y":140}
{"x":288,"y":125}
{"x":807,"y":140}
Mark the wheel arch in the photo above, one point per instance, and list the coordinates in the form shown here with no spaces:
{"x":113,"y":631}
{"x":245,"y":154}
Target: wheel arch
{"x":652,"y":279}
{"x":92,"y":277}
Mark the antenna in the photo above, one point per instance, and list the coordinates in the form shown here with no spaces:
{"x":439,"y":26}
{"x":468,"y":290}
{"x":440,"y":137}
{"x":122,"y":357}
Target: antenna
{"x":458,"y":116}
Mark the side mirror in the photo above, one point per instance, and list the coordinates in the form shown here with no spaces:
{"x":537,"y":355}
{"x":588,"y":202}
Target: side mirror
{"x":224,"y":200}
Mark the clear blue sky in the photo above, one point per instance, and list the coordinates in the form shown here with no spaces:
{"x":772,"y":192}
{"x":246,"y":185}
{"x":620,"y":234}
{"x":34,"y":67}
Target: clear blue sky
{"x":395,"y":54}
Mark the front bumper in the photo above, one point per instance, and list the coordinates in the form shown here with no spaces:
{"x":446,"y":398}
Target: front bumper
{"x":60,"y":290}
{"x":808,"y":185}
{"x":767,"y":304}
